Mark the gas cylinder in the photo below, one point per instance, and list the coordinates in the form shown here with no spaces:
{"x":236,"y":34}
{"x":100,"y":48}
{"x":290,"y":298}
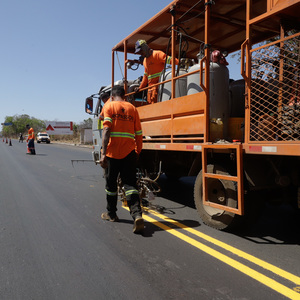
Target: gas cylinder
{"x":218,"y":94}
{"x":165,"y":90}
{"x":237,"y":98}
{"x":193,"y":80}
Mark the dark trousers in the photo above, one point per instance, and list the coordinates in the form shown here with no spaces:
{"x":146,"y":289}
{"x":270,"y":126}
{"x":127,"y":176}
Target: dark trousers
{"x":126,"y":167}
{"x":31,"y":146}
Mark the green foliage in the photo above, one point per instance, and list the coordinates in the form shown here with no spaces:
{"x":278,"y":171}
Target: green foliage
{"x":87,"y":123}
{"x":19,"y":125}
{"x":75,"y":128}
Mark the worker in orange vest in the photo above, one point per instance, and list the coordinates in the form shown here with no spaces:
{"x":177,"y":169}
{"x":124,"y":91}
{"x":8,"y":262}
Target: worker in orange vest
{"x":154,"y":63}
{"x":121,"y":144}
{"x":30,"y":139}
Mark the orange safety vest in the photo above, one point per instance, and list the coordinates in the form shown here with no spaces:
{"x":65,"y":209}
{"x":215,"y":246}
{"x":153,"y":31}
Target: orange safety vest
{"x":125,"y":129}
{"x":154,"y":64}
{"x":31,"y":134}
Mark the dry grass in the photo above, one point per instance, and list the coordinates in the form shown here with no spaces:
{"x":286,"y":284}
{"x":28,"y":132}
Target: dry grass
{"x":68,"y":139}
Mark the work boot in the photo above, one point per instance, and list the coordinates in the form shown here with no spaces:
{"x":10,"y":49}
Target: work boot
{"x":138,"y":225}
{"x":105,"y":216}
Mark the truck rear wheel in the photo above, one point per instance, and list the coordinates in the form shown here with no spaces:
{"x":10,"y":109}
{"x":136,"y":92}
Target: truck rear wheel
{"x":219,"y":191}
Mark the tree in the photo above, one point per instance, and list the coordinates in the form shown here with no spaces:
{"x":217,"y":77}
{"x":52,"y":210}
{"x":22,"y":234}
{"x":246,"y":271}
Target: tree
{"x":87,"y":123}
{"x":19,"y":125}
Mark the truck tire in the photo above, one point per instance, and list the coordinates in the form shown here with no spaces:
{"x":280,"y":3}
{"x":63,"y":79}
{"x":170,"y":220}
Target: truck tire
{"x":219,"y":191}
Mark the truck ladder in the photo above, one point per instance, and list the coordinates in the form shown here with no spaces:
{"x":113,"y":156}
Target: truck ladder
{"x":237,"y":148}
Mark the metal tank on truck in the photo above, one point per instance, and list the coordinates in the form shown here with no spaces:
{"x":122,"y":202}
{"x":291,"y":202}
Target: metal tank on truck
{"x":237,"y":98}
{"x":218,"y":92}
{"x":236,"y":124}
{"x":193,"y":80}
{"x":165,"y":90}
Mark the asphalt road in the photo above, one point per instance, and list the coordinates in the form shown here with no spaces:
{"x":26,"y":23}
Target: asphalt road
{"x":53,"y":244}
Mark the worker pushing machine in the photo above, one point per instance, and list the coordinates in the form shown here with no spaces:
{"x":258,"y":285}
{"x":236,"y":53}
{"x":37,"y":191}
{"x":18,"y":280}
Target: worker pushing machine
{"x":154,"y":63}
{"x":121,"y":144}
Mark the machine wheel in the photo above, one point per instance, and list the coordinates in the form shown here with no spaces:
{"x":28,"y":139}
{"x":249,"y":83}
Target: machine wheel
{"x":219,"y":191}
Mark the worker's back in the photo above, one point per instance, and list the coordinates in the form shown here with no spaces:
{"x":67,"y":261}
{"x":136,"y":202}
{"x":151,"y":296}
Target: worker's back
{"x":123,"y":120}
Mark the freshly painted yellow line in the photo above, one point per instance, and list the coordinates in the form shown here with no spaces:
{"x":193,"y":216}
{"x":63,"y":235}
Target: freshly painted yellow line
{"x":289,"y":276}
{"x":271,"y":283}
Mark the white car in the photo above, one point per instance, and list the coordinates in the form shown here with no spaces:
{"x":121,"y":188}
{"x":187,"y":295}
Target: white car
{"x":43,"y":137}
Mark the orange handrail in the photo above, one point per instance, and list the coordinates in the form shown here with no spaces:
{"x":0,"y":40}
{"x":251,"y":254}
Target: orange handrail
{"x":243,"y":51}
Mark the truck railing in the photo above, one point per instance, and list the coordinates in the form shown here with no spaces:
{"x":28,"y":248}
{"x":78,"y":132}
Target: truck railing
{"x":202,"y":62}
{"x":274,"y":97}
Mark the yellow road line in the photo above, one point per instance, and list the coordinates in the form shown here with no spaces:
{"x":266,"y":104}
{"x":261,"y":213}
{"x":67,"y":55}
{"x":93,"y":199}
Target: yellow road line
{"x":289,"y":276}
{"x":271,"y":283}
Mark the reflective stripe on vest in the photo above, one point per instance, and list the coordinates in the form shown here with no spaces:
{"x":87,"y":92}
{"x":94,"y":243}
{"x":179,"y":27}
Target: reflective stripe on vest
{"x":131,"y":192}
{"x":108,"y":119}
{"x":122,"y":135}
{"x":110,"y":193}
{"x":154,"y":75}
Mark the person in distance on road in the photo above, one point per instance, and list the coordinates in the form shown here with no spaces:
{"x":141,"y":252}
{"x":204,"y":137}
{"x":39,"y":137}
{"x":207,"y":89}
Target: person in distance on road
{"x":121,"y":144}
{"x":30,"y":139}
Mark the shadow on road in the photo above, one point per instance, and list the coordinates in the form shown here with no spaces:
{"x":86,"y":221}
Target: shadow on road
{"x":151,"y":228}
{"x":274,"y":224}
{"x":180,"y":191}
{"x":278,"y":224}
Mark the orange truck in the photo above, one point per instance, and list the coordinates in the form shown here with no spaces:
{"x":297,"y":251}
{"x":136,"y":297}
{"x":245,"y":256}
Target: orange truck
{"x":237,"y":136}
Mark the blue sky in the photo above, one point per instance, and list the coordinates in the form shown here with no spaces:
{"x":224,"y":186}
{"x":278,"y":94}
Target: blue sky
{"x":55,"y":53}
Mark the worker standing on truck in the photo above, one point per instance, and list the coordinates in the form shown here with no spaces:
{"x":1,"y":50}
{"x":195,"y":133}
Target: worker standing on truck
{"x":154,"y":63}
{"x":30,"y":140}
{"x":121,"y":144}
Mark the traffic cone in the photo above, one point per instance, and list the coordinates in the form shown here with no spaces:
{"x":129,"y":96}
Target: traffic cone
{"x":10,"y":142}
{"x":28,"y":151}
